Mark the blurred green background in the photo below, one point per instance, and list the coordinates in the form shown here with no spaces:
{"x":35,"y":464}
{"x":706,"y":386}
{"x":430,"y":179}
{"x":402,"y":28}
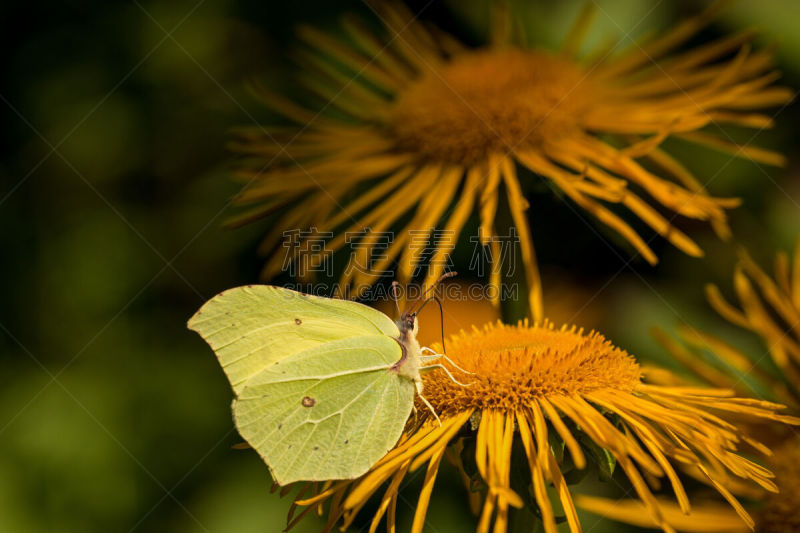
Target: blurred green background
{"x":113,"y":416}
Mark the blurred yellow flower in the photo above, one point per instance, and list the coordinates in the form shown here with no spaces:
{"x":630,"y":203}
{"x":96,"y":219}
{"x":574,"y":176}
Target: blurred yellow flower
{"x":710,"y":518}
{"x":417,"y":131}
{"x":775,"y":315}
{"x":770,"y":307}
{"x":779,"y":512}
{"x":536,"y":385}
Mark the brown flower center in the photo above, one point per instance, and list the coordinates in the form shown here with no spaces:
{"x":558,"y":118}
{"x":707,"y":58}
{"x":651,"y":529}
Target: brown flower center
{"x":490,"y":101}
{"x":782,"y":510}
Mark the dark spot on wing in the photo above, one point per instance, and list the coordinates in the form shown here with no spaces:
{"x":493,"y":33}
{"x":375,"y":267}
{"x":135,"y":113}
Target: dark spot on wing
{"x":346,"y":441}
{"x":316,"y":448}
{"x":280,"y":426}
{"x":298,"y":321}
{"x":308,"y":401}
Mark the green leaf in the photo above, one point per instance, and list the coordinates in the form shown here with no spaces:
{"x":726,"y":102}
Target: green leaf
{"x":556,"y":445}
{"x":603,"y":460}
{"x":476,"y":483}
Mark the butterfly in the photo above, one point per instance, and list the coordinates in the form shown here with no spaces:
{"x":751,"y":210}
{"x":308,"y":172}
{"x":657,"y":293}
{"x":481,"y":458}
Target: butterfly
{"x":323,"y":387}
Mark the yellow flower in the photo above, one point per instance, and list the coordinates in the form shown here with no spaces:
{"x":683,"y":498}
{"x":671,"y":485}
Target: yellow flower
{"x":530,"y":386}
{"x":417,"y":131}
{"x":770,"y":307}
{"x":775,"y":315}
{"x":710,"y":518}
{"x":718,"y":363}
{"x":779,"y":513}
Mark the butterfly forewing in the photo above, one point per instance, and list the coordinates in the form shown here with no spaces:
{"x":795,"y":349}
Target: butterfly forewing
{"x":328,"y":412}
{"x":253,"y":326}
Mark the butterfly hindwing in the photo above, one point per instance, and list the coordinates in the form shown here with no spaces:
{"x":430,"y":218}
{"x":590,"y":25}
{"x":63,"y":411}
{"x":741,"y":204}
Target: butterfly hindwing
{"x":329,"y":412}
{"x":253,"y":326}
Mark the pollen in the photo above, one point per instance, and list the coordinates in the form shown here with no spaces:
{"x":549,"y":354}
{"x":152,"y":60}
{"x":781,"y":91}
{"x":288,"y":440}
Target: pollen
{"x":514,"y":365}
{"x":493,"y":99}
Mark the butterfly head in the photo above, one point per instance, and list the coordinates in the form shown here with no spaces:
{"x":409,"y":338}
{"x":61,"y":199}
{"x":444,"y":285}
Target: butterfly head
{"x":408,"y":323}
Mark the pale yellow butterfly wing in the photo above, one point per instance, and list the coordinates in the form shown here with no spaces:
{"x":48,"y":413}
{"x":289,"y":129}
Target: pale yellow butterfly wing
{"x":252,"y":327}
{"x":330,"y":412}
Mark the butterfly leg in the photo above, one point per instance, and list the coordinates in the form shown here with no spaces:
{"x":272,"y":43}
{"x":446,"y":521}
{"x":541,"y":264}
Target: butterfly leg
{"x":414,"y":411}
{"x":436,"y":356}
{"x":430,"y":407}
{"x":454,"y":380}
{"x":426,"y":402}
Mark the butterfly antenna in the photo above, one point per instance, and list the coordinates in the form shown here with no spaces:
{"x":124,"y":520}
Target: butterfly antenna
{"x":396,"y":296}
{"x":441,"y":322}
{"x":425,"y":299}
